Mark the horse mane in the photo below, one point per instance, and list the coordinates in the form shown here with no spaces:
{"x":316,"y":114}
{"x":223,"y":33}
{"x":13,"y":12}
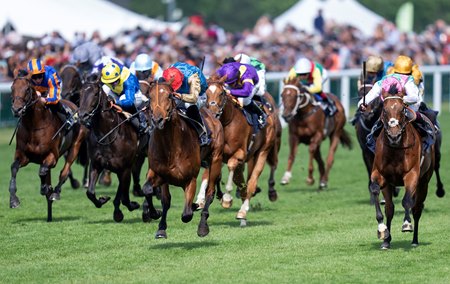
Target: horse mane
{"x":393,"y":90}
{"x":92,"y":78}
{"x":228,"y":60}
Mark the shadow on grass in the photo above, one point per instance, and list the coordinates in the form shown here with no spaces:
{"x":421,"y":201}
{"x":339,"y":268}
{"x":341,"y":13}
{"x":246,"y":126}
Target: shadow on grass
{"x":237,"y":223}
{"x":44,"y":219}
{"x":185,"y":245}
{"x":400,"y":245}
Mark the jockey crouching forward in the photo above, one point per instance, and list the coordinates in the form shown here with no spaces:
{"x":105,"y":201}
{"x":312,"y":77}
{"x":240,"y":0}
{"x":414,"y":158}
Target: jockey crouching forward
{"x":404,"y":81}
{"x":46,"y":81}
{"x":144,"y":67}
{"x":241,"y":79}
{"x":189,"y":83}
{"x":312,"y":75}
{"x":124,"y":88}
{"x":260,"y":87}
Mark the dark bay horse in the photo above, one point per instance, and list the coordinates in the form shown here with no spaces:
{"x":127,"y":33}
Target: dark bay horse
{"x":242,"y":146}
{"x":309,"y":125}
{"x":34,"y":141}
{"x":174,"y":156}
{"x":116,"y":153}
{"x":399,"y":161}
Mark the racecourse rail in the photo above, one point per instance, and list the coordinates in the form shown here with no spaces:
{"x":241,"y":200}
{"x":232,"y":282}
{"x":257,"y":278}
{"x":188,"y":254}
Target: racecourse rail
{"x":340,"y":80}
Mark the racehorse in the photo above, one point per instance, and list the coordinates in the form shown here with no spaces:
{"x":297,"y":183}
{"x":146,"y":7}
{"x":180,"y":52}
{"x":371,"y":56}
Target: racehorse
{"x":37,"y":142}
{"x":242,"y":145}
{"x":399,"y":161}
{"x":116,"y":153}
{"x":309,"y":125}
{"x":175,"y":155}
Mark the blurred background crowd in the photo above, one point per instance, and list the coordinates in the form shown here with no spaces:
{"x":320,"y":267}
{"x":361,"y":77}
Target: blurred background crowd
{"x":336,"y":46}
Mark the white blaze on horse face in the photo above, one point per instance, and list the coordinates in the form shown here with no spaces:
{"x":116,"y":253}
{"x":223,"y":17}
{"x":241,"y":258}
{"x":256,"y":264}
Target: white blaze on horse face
{"x":212,"y":88}
{"x":393,"y":122}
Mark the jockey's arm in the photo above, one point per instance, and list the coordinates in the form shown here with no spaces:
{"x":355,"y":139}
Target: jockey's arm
{"x":316,"y":86}
{"x":194,"y":89}
{"x":245,"y":91}
{"x":291,"y":74}
{"x":412,"y":93}
{"x":372,"y":94}
{"x":54,"y":90}
{"x":128,"y":91}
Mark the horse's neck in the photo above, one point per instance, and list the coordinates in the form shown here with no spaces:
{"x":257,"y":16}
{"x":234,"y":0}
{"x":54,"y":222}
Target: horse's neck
{"x":304,"y":111}
{"x":37,"y":116}
{"x":173,"y":134}
{"x":105,"y":116}
{"x":228,"y":112}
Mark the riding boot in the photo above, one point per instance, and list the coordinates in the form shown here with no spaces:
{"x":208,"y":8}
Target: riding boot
{"x":252,"y":107}
{"x":372,"y":136}
{"x":425,"y":130}
{"x":143,"y":126}
{"x":194,"y":114}
{"x":66,"y":114}
{"x":431,"y":114}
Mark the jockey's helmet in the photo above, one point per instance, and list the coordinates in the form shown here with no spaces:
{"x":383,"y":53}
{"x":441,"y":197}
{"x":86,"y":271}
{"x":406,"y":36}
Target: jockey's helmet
{"x":143,"y":62}
{"x":231,"y":71}
{"x":403,"y":65}
{"x":374,"y":64}
{"x":35,"y":66}
{"x":80,"y":54}
{"x":177,"y":76}
{"x":110,"y":73}
{"x":303,"y":66}
{"x":242,"y":58}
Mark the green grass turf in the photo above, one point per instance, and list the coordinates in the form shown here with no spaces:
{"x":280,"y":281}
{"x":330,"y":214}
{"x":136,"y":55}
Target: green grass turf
{"x":304,"y":237}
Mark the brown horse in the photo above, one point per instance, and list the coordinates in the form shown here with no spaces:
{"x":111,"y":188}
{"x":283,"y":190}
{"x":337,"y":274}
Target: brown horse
{"x":309,"y":125}
{"x":116,"y":153}
{"x":174,"y":156}
{"x":399,"y":161}
{"x":35,"y":143}
{"x":242,"y":145}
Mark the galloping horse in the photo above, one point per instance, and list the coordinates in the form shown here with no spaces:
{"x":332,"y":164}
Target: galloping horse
{"x":309,"y":125}
{"x":174,"y":156}
{"x":399,"y":161}
{"x":242,"y":145}
{"x":34,"y":141}
{"x":117,"y":153}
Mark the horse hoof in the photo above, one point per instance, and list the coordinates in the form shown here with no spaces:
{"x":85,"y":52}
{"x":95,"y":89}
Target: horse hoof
{"x":14,"y":202}
{"x":241,"y":214}
{"x":407,"y":227}
{"x":137,"y":191}
{"x":200,"y":205}
{"x":226,"y":204}
{"x":309,"y":181}
{"x":187,"y":218}
{"x":440,"y":193}
{"x":414,"y":245}
{"x":44,"y":190}
{"x":161,"y":234}
{"x":243,"y":223}
{"x":257,"y":190}
{"x":203,"y":231}
{"x":133,"y":206}
{"x":383,"y":232}
{"x":54,"y":196}
{"x":385,"y":246}
{"x":323,"y":185}
{"x":105,"y":179}
{"x":382,"y":201}
{"x":273,"y":196}
{"x":103,"y":199}
{"x":118,"y":216}
{"x":284,"y":182}
{"x":75,"y":184}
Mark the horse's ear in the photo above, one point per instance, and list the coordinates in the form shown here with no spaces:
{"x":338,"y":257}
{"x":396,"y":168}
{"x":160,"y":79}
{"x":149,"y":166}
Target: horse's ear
{"x":223,"y":78}
{"x":20,"y":73}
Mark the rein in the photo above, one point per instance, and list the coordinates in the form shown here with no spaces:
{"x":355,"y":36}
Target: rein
{"x":395,"y":123}
{"x":298,"y":103}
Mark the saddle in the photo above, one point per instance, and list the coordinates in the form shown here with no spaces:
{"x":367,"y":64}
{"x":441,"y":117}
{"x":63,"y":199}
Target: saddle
{"x":327,"y":104}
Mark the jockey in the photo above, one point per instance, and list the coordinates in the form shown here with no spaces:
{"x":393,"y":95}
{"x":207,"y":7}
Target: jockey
{"x":46,"y":81}
{"x":312,"y":75}
{"x":403,"y":68}
{"x":189,"y":83}
{"x":260,"y":87}
{"x":85,"y":55}
{"x":144,"y":67}
{"x":103,"y":61}
{"x":241,"y":79}
{"x":124,"y":88}
{"x":374,"y":71}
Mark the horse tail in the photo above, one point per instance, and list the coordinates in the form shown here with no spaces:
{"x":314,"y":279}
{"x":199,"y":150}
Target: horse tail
{"x":346,"y":141}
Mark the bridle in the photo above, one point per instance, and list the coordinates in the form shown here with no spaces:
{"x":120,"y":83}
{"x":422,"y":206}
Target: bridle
{"x":215,"y":103}
{"x":303,"y":99}
{"x":27,"y":99}
{"x":393,"y":122}
{"x":158,"y":100}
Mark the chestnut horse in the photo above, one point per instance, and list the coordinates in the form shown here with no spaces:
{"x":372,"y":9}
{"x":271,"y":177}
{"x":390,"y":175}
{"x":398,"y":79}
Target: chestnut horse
{"x":399,"y":161}
{"x":35,"y":143}
{"x":242,"y":145}
{"x":174,"y":156}
{"x":116,"y":153}
{"x":309,"y":125}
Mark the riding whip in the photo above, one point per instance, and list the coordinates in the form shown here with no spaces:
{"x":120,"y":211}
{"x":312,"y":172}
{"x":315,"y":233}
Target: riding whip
{"x":364,"y":83}
{"x":62,"y":127}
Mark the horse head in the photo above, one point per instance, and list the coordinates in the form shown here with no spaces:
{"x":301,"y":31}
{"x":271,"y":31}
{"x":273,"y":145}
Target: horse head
{"x":90,"y":99}
{"x":162,"y":104}
{"x":394,"y":115}
{"x":293,"y":98}
{"x":216,"y":95}
{"x":23,"y":96}
{"x":71,"y":83}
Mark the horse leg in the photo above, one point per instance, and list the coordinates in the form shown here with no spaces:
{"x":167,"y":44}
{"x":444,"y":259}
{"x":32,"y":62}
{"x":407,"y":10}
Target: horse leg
{"x":368,"y":161}
{"x":90,"y":193}
{"x":321,"y":166}
{"x":165,"y":202}
{"x":105,"y":178}
{"x":202,"y":192}
{"x":14,"y":201}
{"x":440,"y":192}
{"x":272,"y":160}
{"x":137,"y":166}
{"x":189,"y":193}
{"x":406,"y":203}
{"x":227,"y":199}
{"x":85,"y":175}
{"x":313,"y":147}
{"x":118,"y":215}
{"x":383,"y":232}
{"x":330,"y":159}
{"x":293,"y":146}
{"x":421,"y":194}
{"x":124,"y":187}
{"x":48,"y":180}
{"x":73,"y":181}
{"x":250,"y":166}
{"x":389,"y":211}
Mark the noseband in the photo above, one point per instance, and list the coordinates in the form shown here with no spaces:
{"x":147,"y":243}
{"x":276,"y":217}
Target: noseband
{"x":224,"y":101}
{"x":393,"y":122}
{"x":27,"y":99}
{"x":157,"y":100}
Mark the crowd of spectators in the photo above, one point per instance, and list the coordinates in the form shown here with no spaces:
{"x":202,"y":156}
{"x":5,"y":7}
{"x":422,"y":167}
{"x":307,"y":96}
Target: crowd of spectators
{"x":337,"y":47}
